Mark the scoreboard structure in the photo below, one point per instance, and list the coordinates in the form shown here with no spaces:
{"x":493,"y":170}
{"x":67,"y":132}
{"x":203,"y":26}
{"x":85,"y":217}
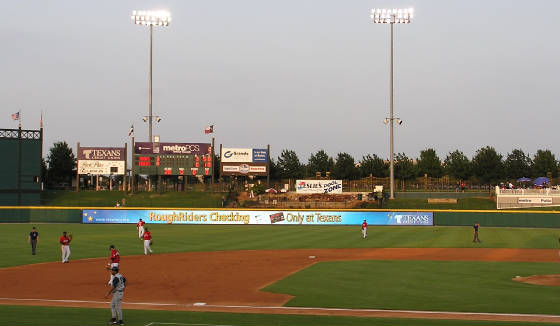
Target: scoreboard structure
{"x":174,"y":159}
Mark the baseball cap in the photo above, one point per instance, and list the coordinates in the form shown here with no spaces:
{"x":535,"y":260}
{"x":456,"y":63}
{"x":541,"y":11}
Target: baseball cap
{"x":115,"y":268}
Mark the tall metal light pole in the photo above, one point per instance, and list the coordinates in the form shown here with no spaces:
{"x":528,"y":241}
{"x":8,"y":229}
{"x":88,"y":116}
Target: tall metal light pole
{"x":392,"y":16}
{"x":151,"y":19}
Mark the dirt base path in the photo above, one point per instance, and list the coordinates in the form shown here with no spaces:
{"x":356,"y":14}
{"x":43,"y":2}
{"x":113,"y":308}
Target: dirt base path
{"x":228,"y":280}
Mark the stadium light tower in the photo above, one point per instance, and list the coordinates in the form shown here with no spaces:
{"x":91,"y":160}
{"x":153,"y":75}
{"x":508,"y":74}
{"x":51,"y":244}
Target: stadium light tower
{"x":392,"y":17}
{"x":151,"y":18}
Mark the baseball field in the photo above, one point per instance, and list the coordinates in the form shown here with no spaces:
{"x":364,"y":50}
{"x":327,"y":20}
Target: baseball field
{"x":284,"y":275}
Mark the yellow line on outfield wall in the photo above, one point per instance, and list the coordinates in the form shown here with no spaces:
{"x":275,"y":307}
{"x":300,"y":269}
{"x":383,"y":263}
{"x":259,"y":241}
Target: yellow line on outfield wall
{"x":285,"y":209}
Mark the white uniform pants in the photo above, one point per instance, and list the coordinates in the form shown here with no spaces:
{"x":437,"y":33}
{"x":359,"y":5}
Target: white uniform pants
{"x":147,"y":247}
{"x":65,"y":253}
{"x":140,"y":232}
{"x":364,"y":232}
{"x":112,"y":276}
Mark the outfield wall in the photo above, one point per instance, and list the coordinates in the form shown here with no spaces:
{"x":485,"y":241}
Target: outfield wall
{"x":539,"y":219}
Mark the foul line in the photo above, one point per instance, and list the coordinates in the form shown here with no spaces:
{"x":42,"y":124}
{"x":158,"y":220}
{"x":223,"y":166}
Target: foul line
{"x":425,"y":312}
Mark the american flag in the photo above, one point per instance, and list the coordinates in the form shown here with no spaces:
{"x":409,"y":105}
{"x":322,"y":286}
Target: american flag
{"x":209,"y":129}
{"x":15,"y":116}
{"x":131,"y":131}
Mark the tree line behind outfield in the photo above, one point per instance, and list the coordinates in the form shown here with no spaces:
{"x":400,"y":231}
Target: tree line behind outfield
{"x":487,"y":166}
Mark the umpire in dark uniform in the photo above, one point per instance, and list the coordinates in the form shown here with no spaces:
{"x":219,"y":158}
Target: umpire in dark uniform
{"x":33,"y":239}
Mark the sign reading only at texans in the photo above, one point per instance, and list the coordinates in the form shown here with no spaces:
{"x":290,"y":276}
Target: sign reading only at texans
{"x":244,"y":155}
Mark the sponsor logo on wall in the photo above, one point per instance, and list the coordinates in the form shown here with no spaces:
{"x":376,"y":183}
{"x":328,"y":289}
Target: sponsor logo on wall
{"x":172,"y":148}
{"x":100,"y":167}
{"x":257,"y":217}
{"x":319,"y":186}
{"x":244,"y":155}
{"x":101,"y":153}
{"x":535,"y":200}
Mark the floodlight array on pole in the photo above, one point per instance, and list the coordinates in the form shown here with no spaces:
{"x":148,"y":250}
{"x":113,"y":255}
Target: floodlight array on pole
{"x":392,"y":16}
{"x":151,"y":18}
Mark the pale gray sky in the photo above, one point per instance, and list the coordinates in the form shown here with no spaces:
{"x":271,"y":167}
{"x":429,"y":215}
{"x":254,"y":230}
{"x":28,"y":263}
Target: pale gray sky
{"x":296,"y":74}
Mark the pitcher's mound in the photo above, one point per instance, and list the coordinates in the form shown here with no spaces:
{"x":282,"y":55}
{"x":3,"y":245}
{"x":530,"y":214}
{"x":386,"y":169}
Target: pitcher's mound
{"x":550,"y":280}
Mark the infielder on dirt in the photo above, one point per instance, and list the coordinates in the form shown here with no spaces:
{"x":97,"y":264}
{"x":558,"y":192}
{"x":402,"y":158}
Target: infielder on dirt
{"x":114,"y":261}
{"x":117,"y":289}
{"x":65,"y":246}
{"x":364,"y":229}
{"x":140,"y":228}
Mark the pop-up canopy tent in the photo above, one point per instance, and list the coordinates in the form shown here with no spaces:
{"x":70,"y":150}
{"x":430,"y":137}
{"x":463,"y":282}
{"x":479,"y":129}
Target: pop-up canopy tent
{"x":541,"y":181}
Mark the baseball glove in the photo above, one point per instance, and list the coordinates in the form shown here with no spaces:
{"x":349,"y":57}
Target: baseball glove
{"x":70,"y":236}
{"x":151,"y":242}
{"x":108,"y":267}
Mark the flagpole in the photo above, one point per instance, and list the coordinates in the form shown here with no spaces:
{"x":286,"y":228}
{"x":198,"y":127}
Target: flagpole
{"x":20,"y":118}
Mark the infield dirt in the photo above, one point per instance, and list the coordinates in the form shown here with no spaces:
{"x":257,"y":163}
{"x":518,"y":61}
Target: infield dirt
{"x":226,"y":278}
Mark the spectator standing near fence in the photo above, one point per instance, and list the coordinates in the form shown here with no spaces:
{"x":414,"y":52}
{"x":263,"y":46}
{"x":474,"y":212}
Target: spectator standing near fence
{"x":33,"y":239}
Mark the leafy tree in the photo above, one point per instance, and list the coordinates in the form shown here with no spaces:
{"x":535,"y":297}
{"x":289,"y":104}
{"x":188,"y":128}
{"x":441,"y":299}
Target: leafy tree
{"x":319,"y":162}
{"x":429,"y":163}
{"x":61,"y":161}
{"x":404,"y":167}
{"x":487,"y":165}
{"x":289,"y":165}
{"x":517,"y":164}
{"x":373,"y":164}
{"x":345,"y":168}
{"x":457,"y":165}
{"x":543,"y":162}
{"x":274,"y":174}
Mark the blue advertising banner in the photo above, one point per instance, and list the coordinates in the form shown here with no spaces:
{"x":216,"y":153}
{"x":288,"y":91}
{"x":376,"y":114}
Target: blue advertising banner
{"x":260,"y":155}
{"x":158,"y":216}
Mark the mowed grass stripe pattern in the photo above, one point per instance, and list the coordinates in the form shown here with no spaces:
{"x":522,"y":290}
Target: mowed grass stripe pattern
{"x":423,"y":285}
{"x":94,"y":240}
{"x":60,"y":316}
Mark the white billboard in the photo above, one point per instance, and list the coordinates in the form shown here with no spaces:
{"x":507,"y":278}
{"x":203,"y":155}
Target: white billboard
{"x":102,"y":167}
{"x":319,"y":186}
{"x":238,"y":155}
{"x":534,"y":200}
{"x":244,"y":168}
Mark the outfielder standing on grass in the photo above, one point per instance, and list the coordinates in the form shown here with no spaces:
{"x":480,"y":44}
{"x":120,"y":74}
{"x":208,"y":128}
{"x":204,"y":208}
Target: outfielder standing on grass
{"x":65,"y":246}
{"x":117,"y":289}
{"x":364,"y":229}
{"x":475,"y":230}
{"x":114,"y":261}
{"x":33,"y":239}
{"x":140,"y":228}
{"x":147,"y":241}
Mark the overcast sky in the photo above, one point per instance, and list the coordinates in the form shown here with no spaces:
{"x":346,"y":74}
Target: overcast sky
{"x":296,"y":74}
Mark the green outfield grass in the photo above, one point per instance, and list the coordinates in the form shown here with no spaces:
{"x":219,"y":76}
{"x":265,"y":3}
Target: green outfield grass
{"x":93,"y":240}
{"x":422,"y":285}
{"x":141,"y":199}
{"x":49,"y":316}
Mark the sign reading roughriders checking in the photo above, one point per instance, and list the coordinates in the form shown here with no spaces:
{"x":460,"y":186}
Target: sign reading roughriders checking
{"x":131,"y":216}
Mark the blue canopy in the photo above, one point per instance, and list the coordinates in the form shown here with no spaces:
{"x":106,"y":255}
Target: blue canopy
{"x":524,"y":179}
{"x":541,"y":181}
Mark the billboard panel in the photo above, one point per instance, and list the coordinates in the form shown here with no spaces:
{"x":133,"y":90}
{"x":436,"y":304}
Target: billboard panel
{"x":92,"y":216}
{"x":260,"y":155}
{"x":319,"y":186}
{"x":172,"y":148}
{"x":243,"y":169}
{"x":101,"y":153}
{"x":100,"y":167}
{"x":240,"y":155}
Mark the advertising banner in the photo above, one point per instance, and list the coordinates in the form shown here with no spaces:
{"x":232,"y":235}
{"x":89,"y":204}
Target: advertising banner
{"x":243,"y":169}
{"x":172,"y":148}
{"x":319,"y":186}
{"x":244,"y":155}
{"x":240,"y":155}
{"x":534,"y":200}
{"x":94,"y":216}
{"x":100,"y":167}
{"x":101,"y":153}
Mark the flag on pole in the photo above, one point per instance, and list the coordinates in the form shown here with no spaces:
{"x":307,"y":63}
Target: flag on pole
{"x":131,"y":131}
{"x":15,"y":116}
{"x":209,"y":129}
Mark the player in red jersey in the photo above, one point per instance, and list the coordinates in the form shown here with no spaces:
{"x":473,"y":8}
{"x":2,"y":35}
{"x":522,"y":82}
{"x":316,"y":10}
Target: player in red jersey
{"x":147,"y":241}
{"x":364,"y":229}
{"x":114,"y":261}
{"x":140,"y":228}
{"x":64,"y":241}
